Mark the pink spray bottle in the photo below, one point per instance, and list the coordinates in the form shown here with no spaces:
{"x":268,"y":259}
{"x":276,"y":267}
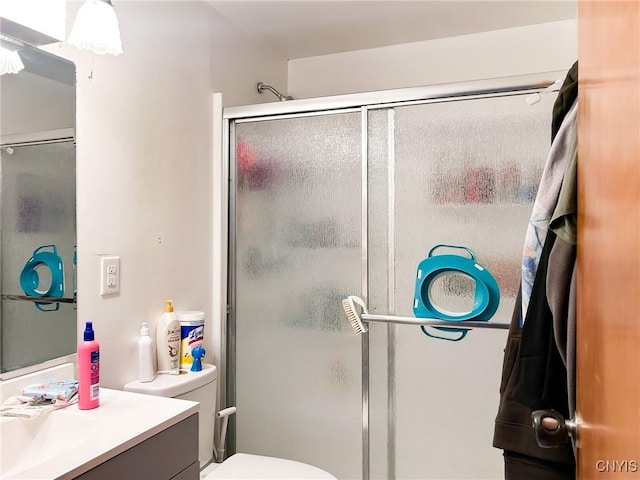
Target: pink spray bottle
{"x":88,"y":370}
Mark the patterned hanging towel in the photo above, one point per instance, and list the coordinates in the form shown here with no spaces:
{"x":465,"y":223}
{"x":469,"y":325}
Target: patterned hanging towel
{"x":564,"y":147}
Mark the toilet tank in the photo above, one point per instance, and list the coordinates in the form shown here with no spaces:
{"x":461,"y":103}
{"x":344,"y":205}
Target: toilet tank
{"x":195,"y":386}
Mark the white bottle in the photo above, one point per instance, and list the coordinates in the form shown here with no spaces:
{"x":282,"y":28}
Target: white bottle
{"x":168,"y":341}
{"x":145,"y":355}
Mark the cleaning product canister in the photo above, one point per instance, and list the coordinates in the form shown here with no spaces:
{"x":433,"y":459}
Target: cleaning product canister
{"x":88,"y":370}
{"x":191,"y":335}
{"x":168,"y":341}
{"x":145,"y":355}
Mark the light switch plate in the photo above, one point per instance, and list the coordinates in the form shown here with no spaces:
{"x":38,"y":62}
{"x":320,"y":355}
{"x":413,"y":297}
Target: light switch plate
{"x":109,"y":275}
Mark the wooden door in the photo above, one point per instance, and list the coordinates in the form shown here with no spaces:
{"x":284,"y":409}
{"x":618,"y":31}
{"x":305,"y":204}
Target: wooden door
{"x":608,"y":355}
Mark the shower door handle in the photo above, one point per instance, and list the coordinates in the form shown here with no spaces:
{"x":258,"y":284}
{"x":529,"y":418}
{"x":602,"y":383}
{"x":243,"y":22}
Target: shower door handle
{"x":552,"y":429}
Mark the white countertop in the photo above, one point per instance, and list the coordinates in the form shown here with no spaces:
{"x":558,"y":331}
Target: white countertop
{"x":122,"y":420}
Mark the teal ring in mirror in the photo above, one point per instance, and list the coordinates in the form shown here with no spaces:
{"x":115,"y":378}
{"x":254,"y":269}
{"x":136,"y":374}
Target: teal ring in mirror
{"x":30,"y":279}
{"x":486,"y":297}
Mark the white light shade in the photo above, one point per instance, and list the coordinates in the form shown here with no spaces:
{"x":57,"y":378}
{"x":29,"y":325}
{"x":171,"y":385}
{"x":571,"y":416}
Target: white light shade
{"x":96,"y":29}
{"x":10,"y":61}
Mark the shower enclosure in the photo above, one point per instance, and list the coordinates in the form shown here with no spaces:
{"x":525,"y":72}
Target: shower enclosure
{"x":345,"y":196}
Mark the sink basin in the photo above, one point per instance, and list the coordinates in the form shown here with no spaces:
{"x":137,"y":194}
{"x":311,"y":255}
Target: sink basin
{"x":66,"y":443}
{"x":25,"y":443}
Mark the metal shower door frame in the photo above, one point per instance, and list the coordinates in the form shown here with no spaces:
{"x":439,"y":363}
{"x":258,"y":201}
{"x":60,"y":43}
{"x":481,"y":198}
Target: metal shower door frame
{"x":364,"y":103}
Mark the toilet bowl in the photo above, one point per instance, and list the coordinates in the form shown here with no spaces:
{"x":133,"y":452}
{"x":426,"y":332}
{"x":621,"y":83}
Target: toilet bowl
{"x":201,"y":387}
{"x":244,"y":466}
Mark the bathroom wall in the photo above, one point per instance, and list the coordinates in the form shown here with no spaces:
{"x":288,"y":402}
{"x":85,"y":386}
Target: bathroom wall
{"x":513,"y":51}
{"x":145,"y":189}
{"x":44,"y":16}
{"x":144,"y":164}
{"x":144,"y":142}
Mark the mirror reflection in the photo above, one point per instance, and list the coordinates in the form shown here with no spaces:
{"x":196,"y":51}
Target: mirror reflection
{"x":37,"y":210}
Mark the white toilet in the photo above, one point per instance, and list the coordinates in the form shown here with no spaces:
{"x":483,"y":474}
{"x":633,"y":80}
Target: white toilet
{"x":201,"y":387}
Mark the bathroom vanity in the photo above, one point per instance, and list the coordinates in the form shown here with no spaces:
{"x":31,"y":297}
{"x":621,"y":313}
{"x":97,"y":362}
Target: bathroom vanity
{"x":129,"y":435}
{"x":171,"y":454}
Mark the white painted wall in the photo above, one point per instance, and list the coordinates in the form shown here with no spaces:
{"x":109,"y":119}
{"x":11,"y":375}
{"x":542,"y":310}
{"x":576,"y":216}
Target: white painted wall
{"x":45,"y":16}
{"x":144,"y":165}
{"x":238,"y":63}
{"x":500,"y":53}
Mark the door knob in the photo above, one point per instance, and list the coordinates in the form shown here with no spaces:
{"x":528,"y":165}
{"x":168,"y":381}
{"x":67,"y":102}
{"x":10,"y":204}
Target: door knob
{"x":552,"y":430}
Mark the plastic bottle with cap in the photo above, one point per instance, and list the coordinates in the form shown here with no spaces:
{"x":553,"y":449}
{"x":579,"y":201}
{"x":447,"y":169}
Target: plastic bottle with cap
{"x":168,"y":341}
{"x":146,"y":371}
{"x":88,"y":370}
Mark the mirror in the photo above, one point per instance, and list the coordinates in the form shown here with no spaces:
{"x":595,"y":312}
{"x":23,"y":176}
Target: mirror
{"x":37,"y":210}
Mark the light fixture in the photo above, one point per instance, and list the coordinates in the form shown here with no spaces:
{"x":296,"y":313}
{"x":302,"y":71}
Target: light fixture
{"x":10,"y":61}
{"x":96,"y":28}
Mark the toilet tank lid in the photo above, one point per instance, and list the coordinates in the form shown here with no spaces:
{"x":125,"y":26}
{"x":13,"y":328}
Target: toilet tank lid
{"x":166,"y":385}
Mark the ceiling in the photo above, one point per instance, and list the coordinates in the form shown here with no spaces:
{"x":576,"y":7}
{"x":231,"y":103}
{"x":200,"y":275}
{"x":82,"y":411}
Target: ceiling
{"x":307,"y":28}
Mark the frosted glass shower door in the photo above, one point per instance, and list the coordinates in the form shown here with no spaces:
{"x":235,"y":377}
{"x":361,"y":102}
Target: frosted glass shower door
{"x":461,"y":172}
{"x":296,"y":370}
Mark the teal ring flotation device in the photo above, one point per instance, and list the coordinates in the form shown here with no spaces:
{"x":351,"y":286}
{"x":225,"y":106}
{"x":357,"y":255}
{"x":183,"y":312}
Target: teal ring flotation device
{"x":30,"y":279}
{"x":486,"y":296}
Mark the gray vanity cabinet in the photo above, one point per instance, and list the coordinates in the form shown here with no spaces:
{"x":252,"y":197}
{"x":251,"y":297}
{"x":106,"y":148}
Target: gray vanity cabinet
{"x":171,"y":454}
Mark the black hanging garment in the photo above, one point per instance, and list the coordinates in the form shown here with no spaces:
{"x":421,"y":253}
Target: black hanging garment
{"x":534,"y":373}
